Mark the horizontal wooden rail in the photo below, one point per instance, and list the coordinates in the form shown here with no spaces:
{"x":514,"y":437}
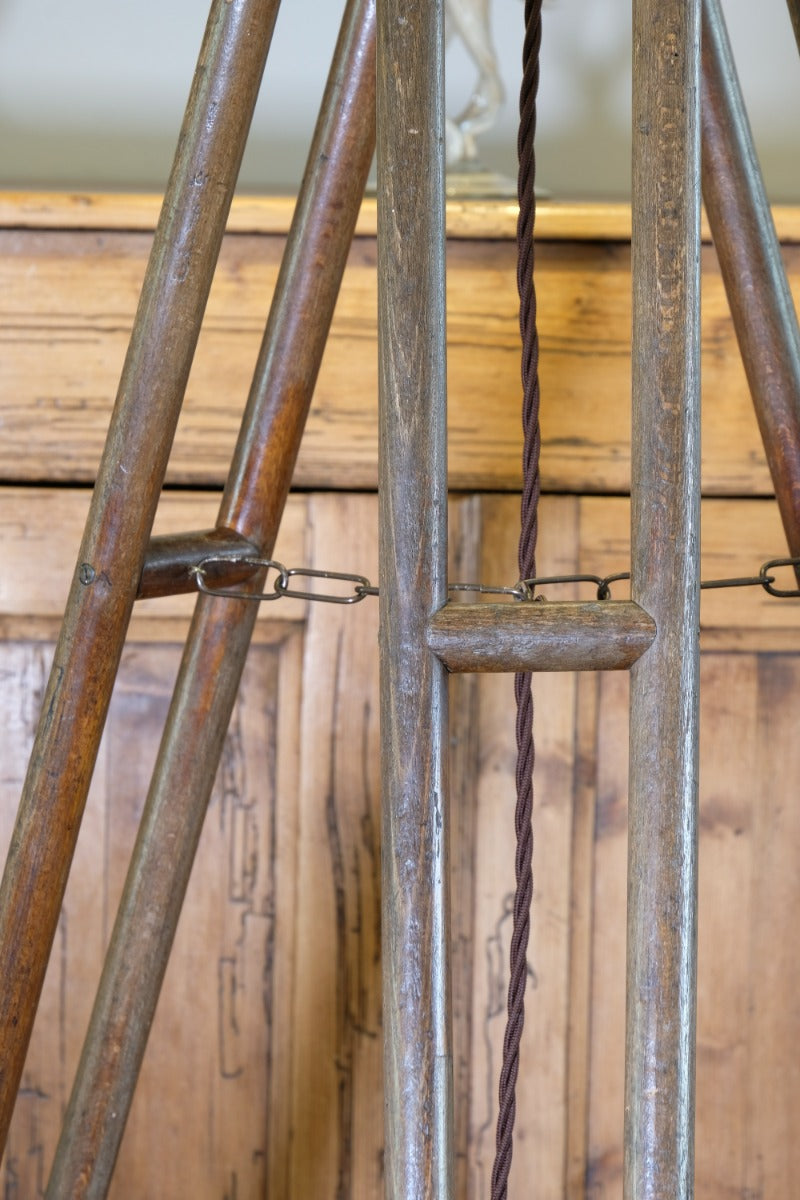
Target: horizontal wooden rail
{"x":607,"y":635}
{"x":556,"y":220}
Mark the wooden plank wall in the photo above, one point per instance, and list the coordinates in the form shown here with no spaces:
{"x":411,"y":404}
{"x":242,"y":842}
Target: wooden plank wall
{"x":267,"y":1039}
{"x":67,"y":301}
{"x":263,"y":1074}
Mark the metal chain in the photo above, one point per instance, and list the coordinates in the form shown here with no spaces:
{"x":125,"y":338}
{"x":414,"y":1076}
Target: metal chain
{"x":523,"y":589}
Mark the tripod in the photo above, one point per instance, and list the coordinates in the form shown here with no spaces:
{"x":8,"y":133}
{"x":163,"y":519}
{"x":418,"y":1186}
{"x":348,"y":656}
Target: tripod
{"x":407,"y":231}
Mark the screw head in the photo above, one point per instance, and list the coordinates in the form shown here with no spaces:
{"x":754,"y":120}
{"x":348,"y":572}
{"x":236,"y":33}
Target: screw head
{"x":87,"y":573}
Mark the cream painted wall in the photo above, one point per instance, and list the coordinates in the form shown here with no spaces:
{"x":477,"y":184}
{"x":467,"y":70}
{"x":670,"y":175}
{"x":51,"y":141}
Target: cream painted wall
{"x":91,"y":95}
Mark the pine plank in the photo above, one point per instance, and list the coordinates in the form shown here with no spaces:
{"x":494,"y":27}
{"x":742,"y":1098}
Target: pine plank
{"x":465,"y":534}
{"x":540,"y":1133}
{"x":337,"y":1063}
{"x":747,"y":1081}
{"x":565,"y":220}
{"x":206,"y":1102}
{"x":736,"y":538}
{"x":284,"y":898}
{"x":581,"y":932}
{"x":67,"y":301}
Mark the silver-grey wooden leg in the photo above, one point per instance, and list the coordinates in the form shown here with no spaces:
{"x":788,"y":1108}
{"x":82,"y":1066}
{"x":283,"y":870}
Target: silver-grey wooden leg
{"x":662,"y":874}
{"x":413,"y":566}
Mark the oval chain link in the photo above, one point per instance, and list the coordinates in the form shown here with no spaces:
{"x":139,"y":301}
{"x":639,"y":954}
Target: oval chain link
{"x":523,"y":589}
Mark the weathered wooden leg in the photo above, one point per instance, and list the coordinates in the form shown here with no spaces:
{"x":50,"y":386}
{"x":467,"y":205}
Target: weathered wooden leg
{"x":219,"y":637}
{"x":128,"y":485}
{"x":662,"y":855}
{"x":752,"y":268}
{"x":413,"y":566}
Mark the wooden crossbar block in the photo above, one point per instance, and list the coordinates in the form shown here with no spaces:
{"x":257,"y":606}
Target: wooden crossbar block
{"x":607,"y":635}
{"x":170,"y":559}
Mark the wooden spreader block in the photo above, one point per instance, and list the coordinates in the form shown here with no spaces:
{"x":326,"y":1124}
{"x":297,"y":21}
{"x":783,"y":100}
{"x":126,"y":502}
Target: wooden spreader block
{"x":603,"y":635}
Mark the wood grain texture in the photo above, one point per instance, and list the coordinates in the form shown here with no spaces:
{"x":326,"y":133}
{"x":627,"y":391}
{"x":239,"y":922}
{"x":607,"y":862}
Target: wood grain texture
{"x":542,"y":1088}
{"x":67,"y":302}
{"x":322,"y":1075}
{"x":464,"y":554}
{"x":39,"y":528}
{"x":581,"y":936}
{"x":233,"y":950}
{"x":746,"y":637}
{"x":557,"y":220}
{"x":288,"y":903}
{"x":334,"y":1108}
{"x":561,"y":636}
{"x":665,"y":560}
{"x":417,"y":1017}
{"x":746,"y":1085}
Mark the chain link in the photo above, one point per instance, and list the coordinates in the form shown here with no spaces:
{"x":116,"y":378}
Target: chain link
{"x":523,"y":589}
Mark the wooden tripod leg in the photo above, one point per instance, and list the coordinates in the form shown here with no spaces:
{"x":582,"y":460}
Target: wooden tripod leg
{"x":125,"y":497}
{"x":218,"y":640}
{"x":752,"y":268}
{"x":794,"y":13}
{"x":413,"y":566}
{"x":665,"y":492}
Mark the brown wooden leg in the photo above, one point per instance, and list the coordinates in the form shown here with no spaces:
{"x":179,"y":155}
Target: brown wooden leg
{"x":221,"y":629}
{"x":662,"y":847}
{"x":752,"y":268}
{"x":128,"y":486}
{"x":413,"y":581}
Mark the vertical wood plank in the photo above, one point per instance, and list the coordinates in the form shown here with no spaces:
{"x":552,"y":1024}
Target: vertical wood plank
{"x":413,"y":551}
{"x":748,"y":1080}
{"x":465,"y":528}
{"x":223,"y":1021}
{"x":336,"y":1113}
{"x":729,"y":747}
{"x":665,"y":492}
{"x":211,"y":1113}
{"x":606,"y":1076}
{"x":540,"y":1151}
{"x":587,"y":693}
{"x":774,"y":1001}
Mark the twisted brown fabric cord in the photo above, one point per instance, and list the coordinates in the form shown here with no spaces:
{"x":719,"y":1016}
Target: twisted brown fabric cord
{"x":527,"y":569}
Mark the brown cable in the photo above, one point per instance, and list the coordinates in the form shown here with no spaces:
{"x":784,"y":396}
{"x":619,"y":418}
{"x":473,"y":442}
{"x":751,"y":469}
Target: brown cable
{"x":527,"y":569}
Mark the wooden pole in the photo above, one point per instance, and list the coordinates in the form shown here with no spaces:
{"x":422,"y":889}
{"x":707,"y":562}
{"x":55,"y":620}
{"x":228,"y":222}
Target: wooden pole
{"x":413,"y":585}
{"x":221,"y":629}
{"x":662,"y":848}
{"x":752,"y":267}
{"x":129,"y":481}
